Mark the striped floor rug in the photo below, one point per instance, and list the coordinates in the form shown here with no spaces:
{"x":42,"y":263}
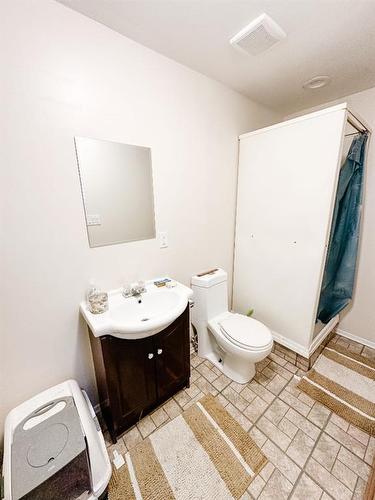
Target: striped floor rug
{"x":345,"y":383}
{"x":201,"y":454}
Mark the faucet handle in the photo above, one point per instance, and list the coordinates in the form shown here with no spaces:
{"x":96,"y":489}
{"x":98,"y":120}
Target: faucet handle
{"x":127,"y":290}
{"x":141,"y":285}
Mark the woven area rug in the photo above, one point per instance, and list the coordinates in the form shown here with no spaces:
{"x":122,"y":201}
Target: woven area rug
{"x":345,"y":383}
{"x":201,"y":454}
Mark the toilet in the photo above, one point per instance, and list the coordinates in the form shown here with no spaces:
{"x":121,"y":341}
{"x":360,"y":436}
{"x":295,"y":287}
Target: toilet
{"x":232,"y":342}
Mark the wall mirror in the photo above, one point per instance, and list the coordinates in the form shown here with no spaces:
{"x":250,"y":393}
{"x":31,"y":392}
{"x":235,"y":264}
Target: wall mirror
{"x":117,"y":191}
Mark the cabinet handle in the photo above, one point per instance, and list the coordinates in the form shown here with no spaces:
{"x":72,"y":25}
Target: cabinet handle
{"x":150,"y":355}
{"x":160,"y":351}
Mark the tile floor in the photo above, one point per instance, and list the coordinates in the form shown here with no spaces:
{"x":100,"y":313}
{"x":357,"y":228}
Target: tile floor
{"x":312,"y":452}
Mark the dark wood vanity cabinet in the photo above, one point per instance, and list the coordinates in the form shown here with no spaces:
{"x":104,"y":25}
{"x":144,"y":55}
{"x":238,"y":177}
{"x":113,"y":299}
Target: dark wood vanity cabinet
{"x":135,"y":376}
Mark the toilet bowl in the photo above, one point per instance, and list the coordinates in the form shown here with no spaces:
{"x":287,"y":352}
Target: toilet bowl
{"x":232,"y":342}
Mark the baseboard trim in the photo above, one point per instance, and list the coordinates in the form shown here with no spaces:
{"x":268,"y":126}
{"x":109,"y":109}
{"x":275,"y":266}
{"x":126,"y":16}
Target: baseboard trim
{"x":303,"y":351}
{"x":360,"y":340}
{"x":324,"y":332}
{"x":290,"y":344}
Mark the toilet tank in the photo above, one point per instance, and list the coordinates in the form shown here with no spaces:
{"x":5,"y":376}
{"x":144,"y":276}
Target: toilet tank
{"x":210,"y":295}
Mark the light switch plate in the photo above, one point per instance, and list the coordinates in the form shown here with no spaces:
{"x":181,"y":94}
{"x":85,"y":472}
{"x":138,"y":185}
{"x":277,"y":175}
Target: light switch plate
{"x":163,"y":239}
{"x":93,"y":220}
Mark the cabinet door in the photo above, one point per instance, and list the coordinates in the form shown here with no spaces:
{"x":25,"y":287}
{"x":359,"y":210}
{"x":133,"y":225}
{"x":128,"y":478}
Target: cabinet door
{"x":173,"y":356}
{"x":131,"y":378}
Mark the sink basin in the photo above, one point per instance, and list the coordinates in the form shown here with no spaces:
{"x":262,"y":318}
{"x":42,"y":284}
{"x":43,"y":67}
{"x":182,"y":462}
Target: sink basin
{"x":136,"y":318}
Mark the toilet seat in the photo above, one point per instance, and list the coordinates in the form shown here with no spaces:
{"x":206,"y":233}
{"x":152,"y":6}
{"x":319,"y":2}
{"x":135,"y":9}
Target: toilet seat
{"x":245,"y":332}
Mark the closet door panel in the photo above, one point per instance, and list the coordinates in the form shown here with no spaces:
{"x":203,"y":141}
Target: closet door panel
{"x":286,"y":188}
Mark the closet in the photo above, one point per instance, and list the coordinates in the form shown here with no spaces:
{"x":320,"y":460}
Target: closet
{"x":287,"y":183}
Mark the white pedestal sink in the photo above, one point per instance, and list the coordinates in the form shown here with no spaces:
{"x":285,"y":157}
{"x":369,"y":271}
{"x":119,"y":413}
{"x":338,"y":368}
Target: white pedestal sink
{"x":136,"y":318}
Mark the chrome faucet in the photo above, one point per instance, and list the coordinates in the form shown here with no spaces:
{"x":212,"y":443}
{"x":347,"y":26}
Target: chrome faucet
{"x":134,"y":290}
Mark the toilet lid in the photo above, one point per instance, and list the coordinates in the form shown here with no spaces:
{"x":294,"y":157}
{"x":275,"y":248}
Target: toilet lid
{"x":246,"y":332}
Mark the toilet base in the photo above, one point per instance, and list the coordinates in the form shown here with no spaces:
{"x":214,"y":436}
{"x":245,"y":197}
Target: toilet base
{"x":240,"y":371}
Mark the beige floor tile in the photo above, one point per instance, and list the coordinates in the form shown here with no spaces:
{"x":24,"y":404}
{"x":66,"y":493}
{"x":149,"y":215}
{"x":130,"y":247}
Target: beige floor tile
{"x":261,"y":391}
{"x":276,"y":411}
{"x":295,"y":403}
{"x":344,"y":474}
{"x":212,"y":367}
{"x":221,"y":382}
{"x":172,"y":408}
{"x":222,"y":400}
{"x":292,"y":387}
{"x":354,"y":463}
{"x":359,"y":491}
{"x":237,"y":387}
{"x":368,"y":352}
{"x":288,"y":427}
{"x":205,"y":386}
{"x":300,"y":448}
{"x":358,"y":434}
{"x":132,"y":438}
{"x":370,"y":452}
{"x":345,"y":439}
{"x":192,"y":391}
{"x":291,"y":367}
{"x":248,"y":394}
{"x":239,"y":416}
{"x":267,"y":471}
{"x":255,"y":409}
{"x":246,"y":496}
{"x":277,"y":359}
{"x":281,"y":461}
{"x":356,"y":348}
{"x":207,"y":373}
{"x":146,"y":426}
{"x":235,"y":398}
{"x":306,"y":399}
{"x":256,"y":486}
{"x":262,"y":364}
{"x":196,"y":398}
{"x":302,"y":423}
{"x":283,"y":372}
{"x":340,"y":422}
{"x":273,"y":433}
{"x":277,"y":384}
{"x":327,"y":481}
{"x":326,"y":451}
{"x":195,"y":361}
{"x":306,"y":489}
{"x":159,"y":417}
{"x":194,"y":375}
{"x":278,"y":487}
{"x":268,"y":373}
{"x":319,"y":415}
{"x":182,"y":397}
{"x":325,"y":496}
{"x":258,"y":436}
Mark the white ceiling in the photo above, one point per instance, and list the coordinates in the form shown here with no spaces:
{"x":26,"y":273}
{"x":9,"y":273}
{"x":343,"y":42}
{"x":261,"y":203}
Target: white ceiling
{"x":324,"y":37}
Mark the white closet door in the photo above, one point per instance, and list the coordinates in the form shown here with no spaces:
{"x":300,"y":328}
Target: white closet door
{"x":286,"y":189}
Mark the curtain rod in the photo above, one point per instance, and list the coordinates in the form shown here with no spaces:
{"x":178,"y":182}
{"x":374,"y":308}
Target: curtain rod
{"x":352,"y":120}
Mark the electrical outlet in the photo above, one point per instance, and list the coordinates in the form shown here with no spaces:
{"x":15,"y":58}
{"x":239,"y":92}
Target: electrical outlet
{"x":163,"y":239}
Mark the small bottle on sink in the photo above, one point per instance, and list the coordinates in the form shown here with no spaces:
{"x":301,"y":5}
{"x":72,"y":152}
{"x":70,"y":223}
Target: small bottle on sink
{"x":97,"y":300}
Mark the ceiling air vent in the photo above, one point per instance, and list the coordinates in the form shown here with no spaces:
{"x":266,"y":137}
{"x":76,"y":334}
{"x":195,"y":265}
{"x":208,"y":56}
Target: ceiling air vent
{"x":258,"y":36}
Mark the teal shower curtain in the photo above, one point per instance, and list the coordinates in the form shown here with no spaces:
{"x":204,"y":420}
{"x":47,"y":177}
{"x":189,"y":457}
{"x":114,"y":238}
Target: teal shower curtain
{"x":339,"y":273}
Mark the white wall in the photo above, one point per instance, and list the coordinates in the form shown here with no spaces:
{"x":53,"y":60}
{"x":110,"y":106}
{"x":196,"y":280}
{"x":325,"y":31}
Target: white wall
{"x":359,"y":319}
{"x":66,"y":75}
